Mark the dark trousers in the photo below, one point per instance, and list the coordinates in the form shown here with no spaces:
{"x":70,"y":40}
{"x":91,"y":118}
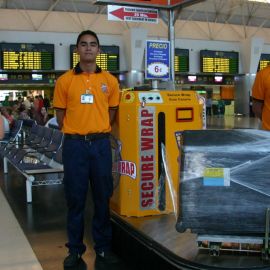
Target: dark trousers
{"x":88,"y":162}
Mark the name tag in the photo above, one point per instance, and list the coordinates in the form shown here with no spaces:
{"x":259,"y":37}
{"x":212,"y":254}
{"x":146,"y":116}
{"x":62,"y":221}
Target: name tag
{"x":87,"y":99}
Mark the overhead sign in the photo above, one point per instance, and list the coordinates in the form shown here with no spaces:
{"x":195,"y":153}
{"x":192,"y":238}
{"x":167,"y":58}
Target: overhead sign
{"x":157,"y":60}
{"x":149,"y":3}
{"x":132,"y":14}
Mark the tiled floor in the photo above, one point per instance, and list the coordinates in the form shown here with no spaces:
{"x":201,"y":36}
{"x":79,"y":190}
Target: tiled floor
{"x":15,"y":251}
{"x":37,"y":239}
{"x":43,"y":223}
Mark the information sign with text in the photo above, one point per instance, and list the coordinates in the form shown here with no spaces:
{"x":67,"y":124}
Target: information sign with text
{"x":132,"y":14}
{"x":157,"y":60}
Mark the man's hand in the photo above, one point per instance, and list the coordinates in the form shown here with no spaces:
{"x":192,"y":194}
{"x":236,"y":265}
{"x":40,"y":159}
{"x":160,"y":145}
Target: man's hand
{"x":257,"y":107}
{"x":60,"y":114}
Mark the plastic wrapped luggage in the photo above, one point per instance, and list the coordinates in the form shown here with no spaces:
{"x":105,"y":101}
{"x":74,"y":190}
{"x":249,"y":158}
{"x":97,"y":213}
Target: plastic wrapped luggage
{"x":224,"y":181}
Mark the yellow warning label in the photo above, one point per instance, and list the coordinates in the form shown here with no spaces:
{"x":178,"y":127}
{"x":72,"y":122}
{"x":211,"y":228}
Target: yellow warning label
{"x":213,"y":172}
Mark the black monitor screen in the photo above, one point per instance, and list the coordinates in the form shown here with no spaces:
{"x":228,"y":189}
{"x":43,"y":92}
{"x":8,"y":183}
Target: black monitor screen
{"x":26,"y":56}
{"x":219,"y":62}
{"x":108,"y":59}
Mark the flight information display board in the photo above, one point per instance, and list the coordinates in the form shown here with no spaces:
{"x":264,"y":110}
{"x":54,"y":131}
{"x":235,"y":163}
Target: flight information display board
{"x":26,"y":56}
{"x":181,"y":60}
{"x":108,"y":59}
{"x":264,"y":61}
{"x":219,"y":62}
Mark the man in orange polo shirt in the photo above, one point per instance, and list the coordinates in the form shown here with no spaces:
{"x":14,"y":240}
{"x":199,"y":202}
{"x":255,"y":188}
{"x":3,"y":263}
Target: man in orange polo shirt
{"x":261,"y":97}
{"x":86,"y":99}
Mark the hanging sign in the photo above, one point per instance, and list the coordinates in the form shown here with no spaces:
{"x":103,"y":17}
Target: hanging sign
{"x":132,"y":14}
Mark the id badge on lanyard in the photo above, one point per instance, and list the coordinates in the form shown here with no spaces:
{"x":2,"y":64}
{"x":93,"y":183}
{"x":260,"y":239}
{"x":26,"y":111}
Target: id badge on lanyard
{"x":87,"y":98}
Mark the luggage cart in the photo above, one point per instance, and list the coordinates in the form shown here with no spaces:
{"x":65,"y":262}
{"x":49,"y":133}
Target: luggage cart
{"x":247,"y":244}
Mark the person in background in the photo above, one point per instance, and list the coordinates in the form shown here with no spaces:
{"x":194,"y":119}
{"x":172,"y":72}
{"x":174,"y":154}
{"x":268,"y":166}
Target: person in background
{"x":6,"y":102}
{"x":27,"y":103}
{"x":36,"y":110}
{"x":23,"y":112}
{"x":35,"y":106}
{"x":46,"y":103}
{"x":6,"y":112}
{"x":41,"y":102}
{"x":15,"y":111}
{"x":43,"y":116}
{"x":209,"y":106}
{"x":1,"y":128}
{"x":86,"y":100}
{"x":261,"y":97}
{"x":20,"y":100}
{"x":221,"y":107}
{"x":6,"y":127}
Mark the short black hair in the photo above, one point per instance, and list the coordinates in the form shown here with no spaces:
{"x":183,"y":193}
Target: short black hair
{"x":87,"y":32}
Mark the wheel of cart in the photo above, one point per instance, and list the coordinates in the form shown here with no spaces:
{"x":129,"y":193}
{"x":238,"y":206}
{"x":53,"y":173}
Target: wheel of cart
{"x":214,"y":248}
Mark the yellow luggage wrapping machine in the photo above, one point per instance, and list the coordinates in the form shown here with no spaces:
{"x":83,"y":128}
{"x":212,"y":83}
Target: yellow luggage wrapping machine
{"x":146,"y":120}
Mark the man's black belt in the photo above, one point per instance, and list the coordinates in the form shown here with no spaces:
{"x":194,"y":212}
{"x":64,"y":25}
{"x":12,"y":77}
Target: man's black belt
{"x":87,"y":137}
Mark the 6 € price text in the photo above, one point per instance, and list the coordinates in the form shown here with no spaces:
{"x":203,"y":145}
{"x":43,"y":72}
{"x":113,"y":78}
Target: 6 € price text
{"x":158,"y":69}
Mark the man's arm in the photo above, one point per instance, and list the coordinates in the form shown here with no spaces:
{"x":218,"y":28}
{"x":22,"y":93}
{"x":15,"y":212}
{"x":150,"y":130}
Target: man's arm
{"x":257,"y":107}
{"x":112,"y":113}
{"x":60,"y":114}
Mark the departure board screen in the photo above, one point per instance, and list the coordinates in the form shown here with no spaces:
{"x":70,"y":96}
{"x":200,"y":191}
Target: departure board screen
{"x":181,"y":60}
{"x":264,"y":61}
{"x":108,"y":59}
{"x":74,"y":57}
{"x":219,"y":61}
{"x":26,"y":56}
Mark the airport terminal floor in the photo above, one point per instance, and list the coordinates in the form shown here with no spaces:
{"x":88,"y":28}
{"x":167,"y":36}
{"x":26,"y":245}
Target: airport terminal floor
{"x":32,"y":236}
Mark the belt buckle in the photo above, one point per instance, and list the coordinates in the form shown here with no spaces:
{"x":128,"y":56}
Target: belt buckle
{"x":87,"y":137}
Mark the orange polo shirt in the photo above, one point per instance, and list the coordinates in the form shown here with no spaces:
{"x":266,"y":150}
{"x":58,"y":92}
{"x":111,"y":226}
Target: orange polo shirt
{"x":86,"y":118}
{"x":261,"y":91}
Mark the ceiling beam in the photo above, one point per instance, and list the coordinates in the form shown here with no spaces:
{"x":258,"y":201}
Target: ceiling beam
{"x":48,"y":13}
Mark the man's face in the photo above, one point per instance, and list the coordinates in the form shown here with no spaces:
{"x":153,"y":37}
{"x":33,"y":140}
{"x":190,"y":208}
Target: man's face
{"x":88,"y":49}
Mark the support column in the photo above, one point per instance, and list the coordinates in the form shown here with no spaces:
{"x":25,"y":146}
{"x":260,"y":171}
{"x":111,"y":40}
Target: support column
{"x":251,"y":50}
{"x":134,"y":46}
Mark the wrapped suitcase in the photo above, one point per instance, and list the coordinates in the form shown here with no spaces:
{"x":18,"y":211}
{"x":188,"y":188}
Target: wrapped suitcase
{"x":224,"y":181}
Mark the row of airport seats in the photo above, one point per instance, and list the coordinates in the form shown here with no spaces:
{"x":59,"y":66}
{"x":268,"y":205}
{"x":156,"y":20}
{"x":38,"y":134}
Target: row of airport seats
{"x":36,"y":152}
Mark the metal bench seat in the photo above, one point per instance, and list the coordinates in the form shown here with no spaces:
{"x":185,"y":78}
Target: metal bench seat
{"x":13,"y":140}
{"x":40,"y":143}
{"x":34,"y":139}
{"x":49,"y":145}
{"x":40,"y":165}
